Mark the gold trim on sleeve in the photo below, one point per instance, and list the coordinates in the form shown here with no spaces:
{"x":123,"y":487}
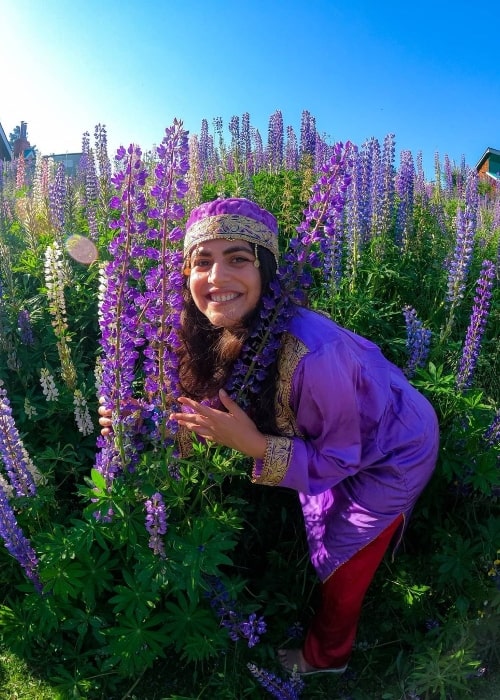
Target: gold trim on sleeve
{"x":276,"y":460}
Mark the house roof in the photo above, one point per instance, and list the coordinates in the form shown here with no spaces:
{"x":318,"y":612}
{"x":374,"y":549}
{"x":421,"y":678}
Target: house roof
{"x":5,"y":149}
{"x":488,"y":152}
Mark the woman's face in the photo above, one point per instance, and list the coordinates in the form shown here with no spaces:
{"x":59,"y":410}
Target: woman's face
{"x":224,"y":282}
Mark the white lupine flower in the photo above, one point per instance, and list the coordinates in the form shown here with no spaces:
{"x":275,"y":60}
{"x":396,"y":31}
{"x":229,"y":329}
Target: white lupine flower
{"x":29,"y":409}
{"x":103,"y":288}
{"x":82,"y":415}
{"x":7,"y":488}
{"x":50,"y":391}
{"x":55,"y":279}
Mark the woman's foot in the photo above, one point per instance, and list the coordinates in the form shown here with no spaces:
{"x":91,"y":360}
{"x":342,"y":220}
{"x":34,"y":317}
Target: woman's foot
{"x":293,"y":660}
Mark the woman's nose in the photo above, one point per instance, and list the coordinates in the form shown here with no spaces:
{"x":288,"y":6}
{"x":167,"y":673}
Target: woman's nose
{"x":217,"y":272}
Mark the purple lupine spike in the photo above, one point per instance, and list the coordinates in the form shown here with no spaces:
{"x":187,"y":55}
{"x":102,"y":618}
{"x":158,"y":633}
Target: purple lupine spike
{"x":420,"y":188}
{"x":321,"y":153}
{"x":156,"y":523}
{"x":101,"y":149}
{"x":365,"y":188}
{"x":321,"y":225}
{"x":357,"y":217}
{"x":275,"y":142}
{"x":477,"y":325}
{"x":437,"y":174}
{"x":291,"y":150}
{"x":20,"y":165}
{"x":238,"y":627}
{"x":162,"y":301}
{"x":466,"y":223}
{"x":387,"y":182}
{"x":258,"y":149}
{"x":492,"y":434}
{"x":119,"y":318}
{"x":203,"y":148}
{"x":246,"y":144}
{"x":88,"y":174}
{"x":18,"y":465}
{"x":418,"y":341}
{"x":234,"y":130}
{"x":448,"y":175}
{"x":373,"y":157}
{"x":289,"y":689}
{"x":25,"y":328}
{"x":405,"y":179}
{"x":57,"y":195}
{"x":15,"y":541}
{"x":307,"y":134}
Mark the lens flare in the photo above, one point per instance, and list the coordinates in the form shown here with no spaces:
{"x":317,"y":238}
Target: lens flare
{"x":81,"y":249}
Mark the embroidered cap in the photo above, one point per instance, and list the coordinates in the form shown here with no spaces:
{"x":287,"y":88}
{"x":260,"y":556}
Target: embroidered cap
{"x":235,"y":218}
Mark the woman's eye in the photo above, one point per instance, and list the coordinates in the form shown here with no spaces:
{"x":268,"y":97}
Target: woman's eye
{"x":240,"y":259}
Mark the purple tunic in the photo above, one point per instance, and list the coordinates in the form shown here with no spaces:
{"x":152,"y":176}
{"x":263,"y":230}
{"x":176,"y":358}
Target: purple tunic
{"x":357,"y":441}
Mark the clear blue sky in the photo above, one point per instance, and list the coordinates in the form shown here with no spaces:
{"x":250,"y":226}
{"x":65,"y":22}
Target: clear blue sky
{"x":429,"y":72}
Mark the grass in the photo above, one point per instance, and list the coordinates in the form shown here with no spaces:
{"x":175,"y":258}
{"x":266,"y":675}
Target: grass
{"x":17,"y":682}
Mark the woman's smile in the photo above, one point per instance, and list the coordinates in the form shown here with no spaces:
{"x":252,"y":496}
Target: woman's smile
{"x":224,"y":282}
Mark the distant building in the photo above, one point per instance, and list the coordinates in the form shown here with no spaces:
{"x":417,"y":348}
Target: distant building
{"x":489,"y":164}
{"x":5,"y":149}
{"x":71,"y":161}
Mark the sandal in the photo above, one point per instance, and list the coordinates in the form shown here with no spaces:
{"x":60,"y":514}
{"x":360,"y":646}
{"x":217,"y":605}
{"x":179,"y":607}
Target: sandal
{"x":293,"y":661}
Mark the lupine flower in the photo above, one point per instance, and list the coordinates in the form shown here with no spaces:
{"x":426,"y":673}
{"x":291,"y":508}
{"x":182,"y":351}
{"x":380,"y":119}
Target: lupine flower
{"x":420,"y":189}
{"x":156,"y":523}
{"x":291,"y":150}
{"x":231,"y":618}
{"x":55,"y":281}
{"x":477,"y":325}
{"x":50,"y":391}
{"x":25,"y":328}
{"x":203,"y":150}
{"x":20,"y":172}
{"x":57,"y":195}
{"x":289,"y":689}
{"x":19,"y":467}
{"x":275,"y":142}
{"x":163,"y":300}
{"x":356,"y":217}
{"x":246,"y":144}
{"x":29,"y":409}
{"x":321,"y":226}
{"x":89,"y":176}
{"x":462,"y":255}
{"x":492,"y":434}
{"x":82,"y":414}
{"x":307,"y":134}
{"x":103,"y":161}
{"x":258,"y":150}
{"x":118,"y":314}
{"x":15,"y":541}
{"x":418,"y":341}
{"x":405,"y":179}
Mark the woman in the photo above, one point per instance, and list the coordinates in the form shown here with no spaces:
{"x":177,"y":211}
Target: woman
{"x":336,"y":421}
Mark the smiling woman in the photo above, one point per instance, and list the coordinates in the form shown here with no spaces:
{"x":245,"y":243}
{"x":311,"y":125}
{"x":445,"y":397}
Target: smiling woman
{"x":335,"y":421}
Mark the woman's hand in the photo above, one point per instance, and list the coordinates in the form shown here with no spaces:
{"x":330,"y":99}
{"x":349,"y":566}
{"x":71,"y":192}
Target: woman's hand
{"x":233,"y":429}
{"x":104,"y":418}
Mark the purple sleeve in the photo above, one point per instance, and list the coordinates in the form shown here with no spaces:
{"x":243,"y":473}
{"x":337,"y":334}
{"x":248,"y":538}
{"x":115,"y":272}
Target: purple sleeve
{"x":325,"y":403}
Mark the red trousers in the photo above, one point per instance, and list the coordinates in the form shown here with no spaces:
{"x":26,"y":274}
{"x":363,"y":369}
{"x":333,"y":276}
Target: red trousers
{"x":332,"y":632}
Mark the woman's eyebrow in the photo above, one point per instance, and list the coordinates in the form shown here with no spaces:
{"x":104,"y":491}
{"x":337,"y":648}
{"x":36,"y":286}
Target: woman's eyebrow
{"x":206,"y":252}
